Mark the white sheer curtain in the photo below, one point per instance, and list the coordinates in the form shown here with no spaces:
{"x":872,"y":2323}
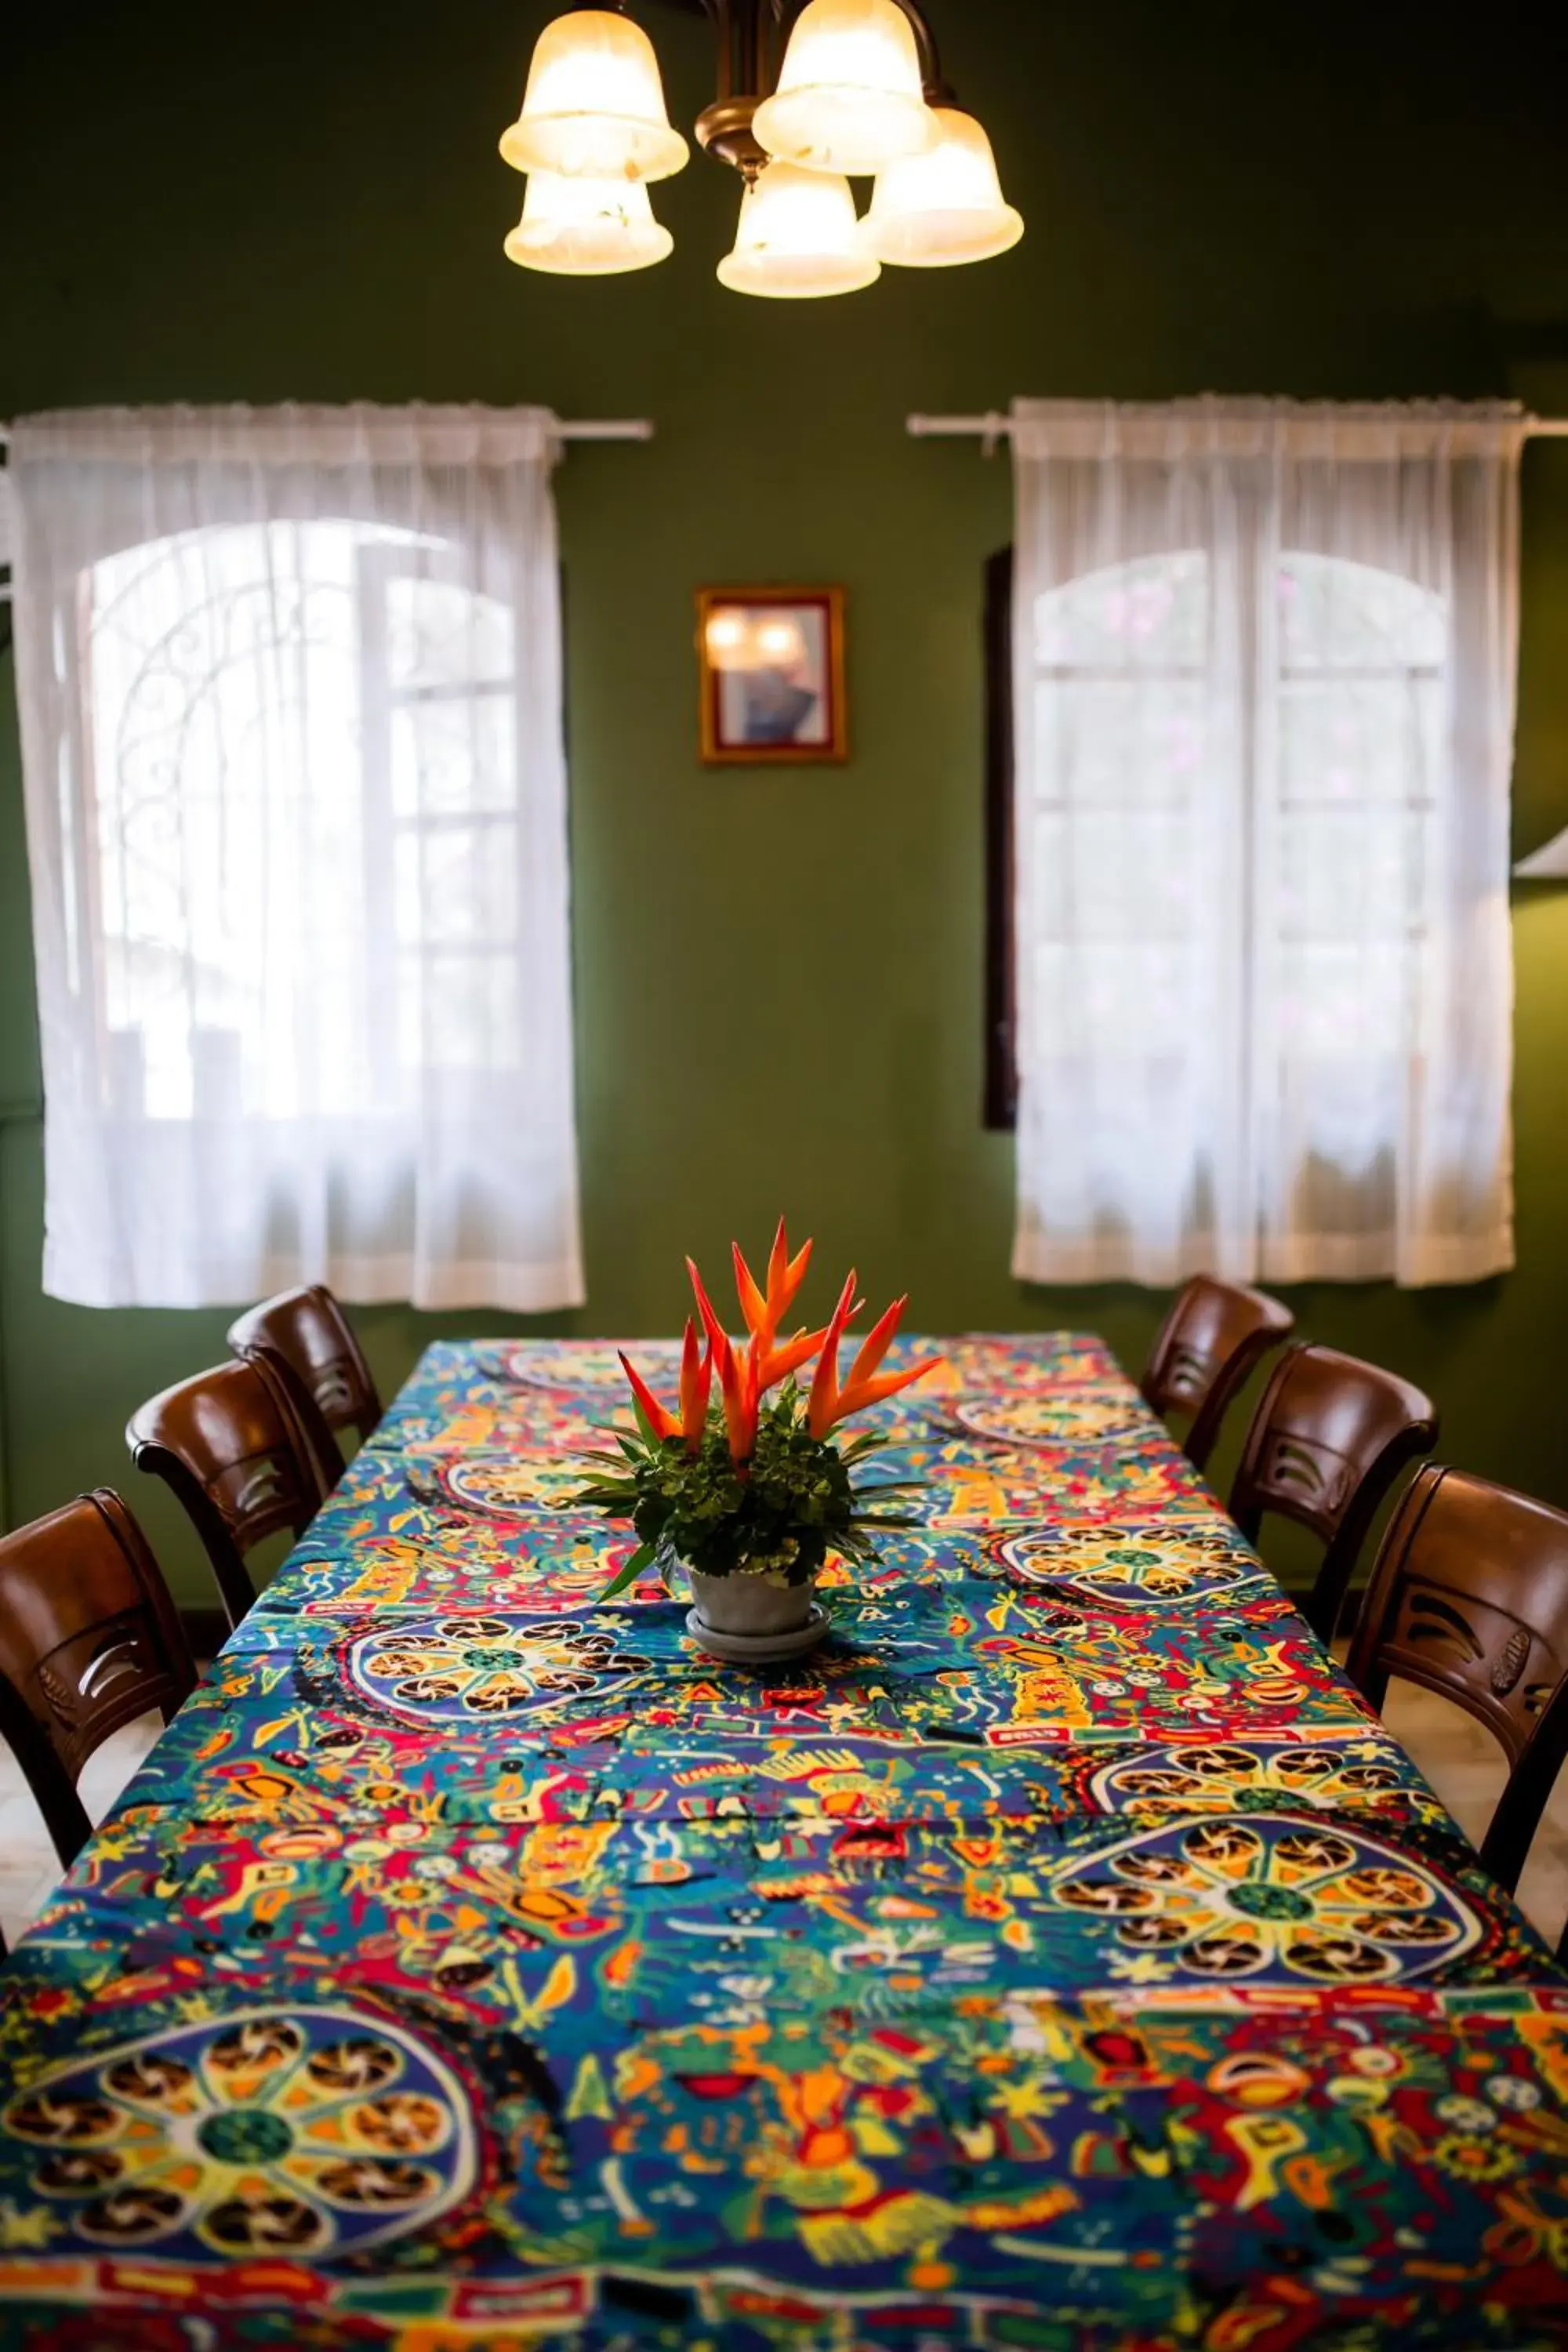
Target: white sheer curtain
{"x":289,"y":684}
{"x":1264,"y":692}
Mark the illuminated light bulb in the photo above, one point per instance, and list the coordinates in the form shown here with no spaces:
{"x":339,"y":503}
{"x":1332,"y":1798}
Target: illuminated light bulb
{"x":799,"y":238}
{"x":594,"y":105}
{"x":780,"y":641}
{"x":729,"y":642}
{"x":586,"y":228}
{"x":935,"y":210}
{"x":850,"y":97}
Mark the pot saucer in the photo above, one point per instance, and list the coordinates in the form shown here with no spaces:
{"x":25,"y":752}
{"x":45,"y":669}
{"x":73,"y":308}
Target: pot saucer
{"x":760,"y":1649}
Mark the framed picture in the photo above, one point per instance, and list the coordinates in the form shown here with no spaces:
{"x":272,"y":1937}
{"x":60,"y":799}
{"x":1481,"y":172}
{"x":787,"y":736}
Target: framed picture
{"x":772,"y":663}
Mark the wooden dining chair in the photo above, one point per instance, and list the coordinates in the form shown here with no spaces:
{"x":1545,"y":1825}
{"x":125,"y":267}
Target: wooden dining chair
{"x":1209,"y":1346}
{"x":1329,"y":1437}
{"x":88,"y":1640}
{"x":1469,"y":1599}
{"x":230,"y":1444}
{"x":305,"y":1337}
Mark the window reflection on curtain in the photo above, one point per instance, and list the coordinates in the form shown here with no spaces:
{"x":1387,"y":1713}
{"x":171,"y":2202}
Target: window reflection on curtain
{"x":1353,"y":880}
{"x":300,"y":874}
{"x":1261,"y":909}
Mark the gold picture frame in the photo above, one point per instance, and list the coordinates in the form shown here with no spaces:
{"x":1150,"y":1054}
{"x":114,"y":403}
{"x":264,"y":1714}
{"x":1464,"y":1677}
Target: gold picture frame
{"x":771,"y":666}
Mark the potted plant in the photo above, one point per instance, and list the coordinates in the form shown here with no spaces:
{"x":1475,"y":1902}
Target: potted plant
{"x":744,"y":1486}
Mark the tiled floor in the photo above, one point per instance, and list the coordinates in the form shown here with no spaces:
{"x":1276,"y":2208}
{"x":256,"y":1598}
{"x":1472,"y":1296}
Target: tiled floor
{"x":1467,"y":1771}
{"x":30,"y":1870}
{"x":1456,"y":1755}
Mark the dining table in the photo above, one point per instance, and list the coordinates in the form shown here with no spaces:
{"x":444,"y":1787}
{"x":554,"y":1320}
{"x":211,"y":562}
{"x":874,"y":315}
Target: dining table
{"x":1063,"y":1956}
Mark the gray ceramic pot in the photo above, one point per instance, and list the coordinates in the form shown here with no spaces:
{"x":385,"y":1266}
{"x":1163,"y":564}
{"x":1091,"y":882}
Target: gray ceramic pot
{"x":751,"y":1606}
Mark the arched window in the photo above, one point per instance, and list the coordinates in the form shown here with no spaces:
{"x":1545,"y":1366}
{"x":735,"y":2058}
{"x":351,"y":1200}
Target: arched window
{"x":1123,"y":724}
{"x":304,"y":769}
{"x":291,"y":694}
{"x":1254,"y":847}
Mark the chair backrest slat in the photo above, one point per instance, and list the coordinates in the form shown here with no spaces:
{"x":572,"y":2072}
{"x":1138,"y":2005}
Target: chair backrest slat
{"x":231,"y":1445}
{"x":1209,"y":1346}
{"x":88,"y":1640}
{"x":1469,"y":1599}
{"x":1330,"y":1437}
{"x":305,"y":1337}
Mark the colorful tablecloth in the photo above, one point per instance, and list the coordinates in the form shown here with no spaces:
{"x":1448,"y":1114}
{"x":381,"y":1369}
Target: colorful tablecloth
{"x":1063,"y":1957}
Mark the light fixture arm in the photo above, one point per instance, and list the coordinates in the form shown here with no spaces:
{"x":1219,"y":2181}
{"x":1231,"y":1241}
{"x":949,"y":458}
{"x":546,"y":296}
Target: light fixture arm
{"x":938,"y":90}
{"x":753,"y":35}
{"x":747,"y":71}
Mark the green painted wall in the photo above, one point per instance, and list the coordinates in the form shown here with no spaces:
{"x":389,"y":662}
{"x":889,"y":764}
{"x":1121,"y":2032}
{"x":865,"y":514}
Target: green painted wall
{"x":778,"y":978}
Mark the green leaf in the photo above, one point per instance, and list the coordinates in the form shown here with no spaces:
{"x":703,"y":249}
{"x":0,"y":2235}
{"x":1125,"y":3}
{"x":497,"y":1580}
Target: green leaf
{"x":616,"y":1502}
{"x":642,"y":1558}
{"x":799,"y":1499}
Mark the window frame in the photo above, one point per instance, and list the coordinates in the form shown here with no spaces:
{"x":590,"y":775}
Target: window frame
{"x":1001,"y":1042}
{"x":1001,"y":987}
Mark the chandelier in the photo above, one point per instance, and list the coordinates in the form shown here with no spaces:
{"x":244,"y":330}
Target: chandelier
{"x":812,"y":94}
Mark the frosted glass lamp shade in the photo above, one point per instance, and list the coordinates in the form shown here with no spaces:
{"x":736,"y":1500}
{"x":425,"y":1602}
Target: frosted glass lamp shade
{"x":799,"y":238}
{"x":595,"y":106}
{"x":934,"y":210}
{"x":850,"y":98}
{"x":586,"y":228}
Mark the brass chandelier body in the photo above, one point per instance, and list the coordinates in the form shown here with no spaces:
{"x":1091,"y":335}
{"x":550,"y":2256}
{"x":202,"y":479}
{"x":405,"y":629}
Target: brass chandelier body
{"x":811,"y":94}
{"x":753,"y":35}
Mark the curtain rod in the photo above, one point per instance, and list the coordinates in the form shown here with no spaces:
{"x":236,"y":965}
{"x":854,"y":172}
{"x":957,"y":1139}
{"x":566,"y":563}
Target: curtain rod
{"x":994,"y":426}
{"x":606,"y":428}
{"x":569,"y":428}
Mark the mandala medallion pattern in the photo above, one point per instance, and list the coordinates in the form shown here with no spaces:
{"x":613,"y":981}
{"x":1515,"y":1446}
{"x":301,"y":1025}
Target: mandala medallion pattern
{"x":500,"y":1486}
{"x":1062,"y":1954}
{"x":1131,"y":1567}
{"x":1271,"y":1898}
{"x":1085,"y":1416}
{"x":465,"y":1669}
{"x":591,"y":1364}
{"x":315,"y":2133}
{"x":1234,"y":1776}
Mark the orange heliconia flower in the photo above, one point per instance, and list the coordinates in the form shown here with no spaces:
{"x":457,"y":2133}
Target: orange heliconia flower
{"x":664,"y":1423}
{"x":765,"y":1311}
{"x":764,"y":1314}
{"x":738,"y":1379}
{"x":738,"y":1374}
{"x":830,"y":1403}
{"x":696,"y":1379}
{"x":746,"y":1373}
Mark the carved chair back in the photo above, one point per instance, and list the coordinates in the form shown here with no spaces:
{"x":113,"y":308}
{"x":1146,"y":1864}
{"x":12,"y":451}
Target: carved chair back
{"x":89,"y":1641}
{"x":1469,"y":1599}
{"x":231,"y":1445}
{"x":307,"y":1337}
{"x":1329,"y":1437}
{"x":1209,"y":1346}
